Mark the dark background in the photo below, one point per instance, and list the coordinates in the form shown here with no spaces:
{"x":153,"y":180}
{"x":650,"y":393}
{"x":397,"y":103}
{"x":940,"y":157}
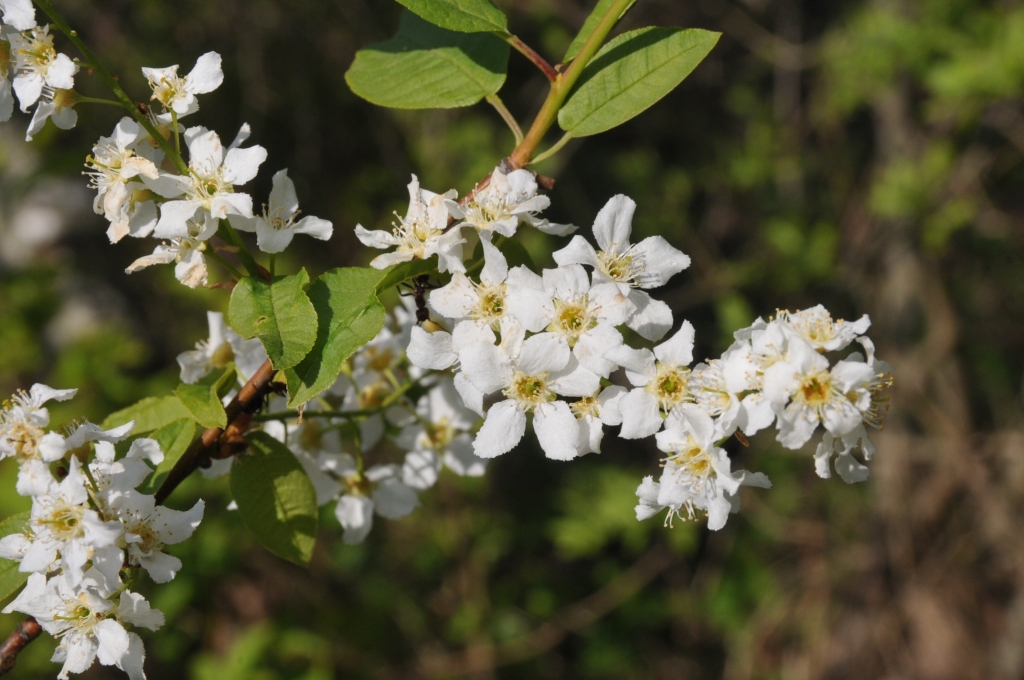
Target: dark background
{"x":862,"y":154}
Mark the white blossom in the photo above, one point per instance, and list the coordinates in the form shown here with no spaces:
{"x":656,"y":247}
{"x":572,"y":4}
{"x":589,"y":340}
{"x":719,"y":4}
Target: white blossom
{"x":223,"y":347}
{"x":56,"y":105}
{"x":23,"y":436}
{"x":592,"y":413}
{"x":530,"y":376}
{"x":815,"y":325}
{"x":113,"y":168}
{"x":633,"y":268}
{"x":276,"y":227}
{"x":179,"y":94}
{"x":378,"y":490}
{"x":37,"y":64}
{"x":661,"y":379}
{"x":19,"y":14}
{"x":422,"y":233}
{"x":698,"y":475}
{"x":210,"y":185}
{"x":507,"y":200}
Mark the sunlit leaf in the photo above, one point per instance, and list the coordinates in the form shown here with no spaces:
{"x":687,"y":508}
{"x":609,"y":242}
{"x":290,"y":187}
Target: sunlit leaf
{"x":349,"y":316}
{"x":203,"y":399}
{"x":150,"y":414}
{"x":174,"y":440}
{"x":278,"y":313}
{"x":427,"y":67}
{"x":588,"y":27}
{"x":630,"y":74}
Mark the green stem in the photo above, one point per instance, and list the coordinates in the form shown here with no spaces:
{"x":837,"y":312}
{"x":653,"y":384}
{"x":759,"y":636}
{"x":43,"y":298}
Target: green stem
{"x":224,"y":263}
{"x":80,"y":99}
{"x":390,"y":401}
{"x":495,"y":101}
{"x":112,"y":83}
{"x":174,"y":126}
{"x":553,"y":150}
{"x":228,"y":233}
{"x":563,"y":84}
{"x":273,"y":263}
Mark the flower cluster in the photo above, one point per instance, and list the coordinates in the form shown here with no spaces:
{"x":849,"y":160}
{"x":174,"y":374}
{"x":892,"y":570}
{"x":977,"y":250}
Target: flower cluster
{"x":37,"y":73}
{"x":89,"y":531}
{"x":140,"y":197}
{"x":550,"y":347}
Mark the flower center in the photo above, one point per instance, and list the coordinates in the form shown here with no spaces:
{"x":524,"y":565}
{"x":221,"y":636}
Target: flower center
{"x":167,"y":89}
{"x":311,"y":438}
{"x":24,"y":438}
{"x":587,"y":406}
{"x":222,"y":356}
{"x":816,"y":390}
{"x":620,"y":267}
{"x":572,"y":319}
{"x":38,"y":52}
{"x":529,"y":390}
{"x":491,"y":306}
{"x":378,"y":359}
{"x":372,"y":396}
{"x":671,"y":386}
{"x":440,"y":434}
{"x":65,"y":521}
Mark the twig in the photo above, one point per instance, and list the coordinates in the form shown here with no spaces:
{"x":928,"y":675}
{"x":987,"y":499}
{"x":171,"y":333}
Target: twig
{"x":25,"y":632}
{"x":540,"y":62}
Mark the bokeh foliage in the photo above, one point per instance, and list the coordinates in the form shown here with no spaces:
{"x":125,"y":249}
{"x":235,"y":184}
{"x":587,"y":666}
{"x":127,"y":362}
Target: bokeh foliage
{"x":865,"y":154}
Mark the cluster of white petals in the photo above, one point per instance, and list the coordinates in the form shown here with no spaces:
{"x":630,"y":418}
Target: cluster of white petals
{"x":89,"y":527}
{"x":32,"y":69}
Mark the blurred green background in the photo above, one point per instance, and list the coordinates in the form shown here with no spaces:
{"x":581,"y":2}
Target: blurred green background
{"x":865,"y":154}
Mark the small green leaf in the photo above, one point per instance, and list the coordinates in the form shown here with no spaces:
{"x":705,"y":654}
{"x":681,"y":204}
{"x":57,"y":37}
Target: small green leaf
{"x":278,"y":313}
{"x":10,"y":578}
{"x":349,"y":316}
{"x":203,"y":399}
{"x":466,"y":16}
{"x":630,"y":74}
{"x":400,"y":273}
{"x":150,"y":414}
{"x":588,"y":27}
{"x":174,"y":440}
{"x":275,"y":498}
{"x":426,"y":67}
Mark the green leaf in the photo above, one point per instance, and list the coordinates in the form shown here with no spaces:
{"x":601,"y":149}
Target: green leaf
{"x":349,"y":316}
{"x":278,"y":313}
{"x":150,"y":414}
{"x":466,"y":16}
{"x":588,"y":27}
{"x":426,"y":67}
{"x":174,"y":440}
{"x":630,"y":74}
{"x":516,"y":254}
{"x":10,"y":578}
{"x":275,"y":498}
{"x":400,"y":273}
{"x":203,"y":400}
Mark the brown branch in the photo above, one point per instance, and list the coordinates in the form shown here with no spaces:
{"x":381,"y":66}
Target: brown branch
{"x":221,"y":443}
{"x":26,"y":631}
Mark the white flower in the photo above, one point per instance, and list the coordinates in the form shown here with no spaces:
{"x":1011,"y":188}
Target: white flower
{"x":530,"y":377}
{"x":223,"y":347}
{"x":113,"y":165}
{"x":276,"y":226}
{"x":37,"y":65}
{"x":872,"y":400}
{"x":179,"y":94}
{"x":662,"y":382}
{"x":148,"y":528}
{"x":87,"y":624}
{"x":439,"y":437}
{"x":815,"y":325}
{"x":727,"y":389}
{"x":420,"y":234}
{"x":585,"y":316}
{"x":486,"y":303}
{"x":62,"y":531}
{"x":186,"y":253}
{"x":648,"y":264}
{"x":55,"y":104}
{"x":592,"y":413}
{"x":379,"y":490}
{"x":18,"y":13}
{"x":23,"y":437}
{"x":314,"y":442}
{"x":804,"y":392}
{"x":507,"y":200}
{"x":210,"y":184}
{"x":697,"y":474}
